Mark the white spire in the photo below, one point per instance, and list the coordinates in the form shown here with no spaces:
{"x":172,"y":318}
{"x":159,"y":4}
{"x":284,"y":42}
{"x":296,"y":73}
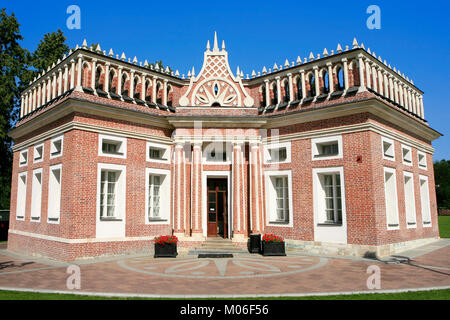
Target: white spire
{"x":311,"y":56}
{"x":299,"y":60}
{"x":264,"y":70}
{"x":111,"y":53}
{"x":339,"y":48}
{"x":193,"y":72}
{"x":355,"y":43}
{"x":275,"y":67}
{"x":253,"y":74}
{"x":223,"y":44}
{"x":135,"y":60}
{"x":84,"y":43}
{"x":122,"y":57}
{"x":177,"y":74}
{"x":325,"y":52}
{"x":208,"y":47}
{"x":145,"y":63}
{"x":286,"y":64}
{"x":238,"y":72}
{"x":216,"y":47}
{"x":98,"y":48}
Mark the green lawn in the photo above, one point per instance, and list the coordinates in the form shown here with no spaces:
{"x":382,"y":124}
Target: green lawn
{"x":417,"y":295}
{"x":444,"y":226}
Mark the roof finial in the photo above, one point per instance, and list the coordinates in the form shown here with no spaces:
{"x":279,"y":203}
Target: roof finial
{"x":216,"y":47}
{"x":223,"y":44}
{"x":355,"y":43}
{"x":208,"y":46}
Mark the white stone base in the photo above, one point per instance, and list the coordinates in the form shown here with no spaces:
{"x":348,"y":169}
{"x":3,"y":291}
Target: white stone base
{"x":354,"y":250}
{"x":239,"y":238}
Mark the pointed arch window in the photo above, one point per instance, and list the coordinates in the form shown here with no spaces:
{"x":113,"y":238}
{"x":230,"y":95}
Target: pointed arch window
{"x":312,"y":86}
{"x":299,"y":89}
{"x":287,"y":94}
{"x":326,"y":83}
{"x":111,"y":82}
{"x":275,"y":95}
{"x":340,"y":79}
{"x":158,"y":93}
{"x":124,"y":82}
{"x":263,"y":98}
{"x":136,"y":92}
{"x":169,"y":95}
{"x":98,"y":75}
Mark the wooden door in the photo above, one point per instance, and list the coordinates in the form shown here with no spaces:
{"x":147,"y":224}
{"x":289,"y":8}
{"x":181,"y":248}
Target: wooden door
{"x":217,"y":208}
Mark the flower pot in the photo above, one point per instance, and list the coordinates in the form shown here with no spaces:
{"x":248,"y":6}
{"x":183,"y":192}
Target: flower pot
{"x":165,"y":250}
{"x":273,"y":249}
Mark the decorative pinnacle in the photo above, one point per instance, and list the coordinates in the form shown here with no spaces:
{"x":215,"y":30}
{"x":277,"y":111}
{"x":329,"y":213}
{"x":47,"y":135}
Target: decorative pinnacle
{"x":339,"y":48}
{"x":208,"y":47}
{"x":135,"y":60}
{"x":325,"y":52}
{"x":299,"y":60}
{"x":111,"y":53}
{"x":84,"y":43}
{"x":223,"y":44}
{"x":264,"y":70}
{"x":122,"y":57}
{"x":311,"y":56}
{"x":286,"y":64}
{"x":98,"y":48}
{"x":275,"y":67}
{"x":355,"y":43}
{"x":216,"y":47}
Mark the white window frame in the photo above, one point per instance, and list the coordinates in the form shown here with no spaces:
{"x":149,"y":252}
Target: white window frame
{"x":326,"y":140}
{"x":391,"y":225}
{"x":228,"y":150}
{"x":391,"y":142}
{"x":425,"y":202}
{"x":21,"y":196}
{"x":271,"y":214}
{"x":54,"y":195}
{"x":164,"y":195}
{"x":36,"y":196}
{"x":52,"y":146}
{"x":35,"y":152}
{"x":324,"y":232}
{"x":21,"y":156}
{"x":410,"y":202}
{"x":164,"y":147}
{"x":112,"y":227}
{"x":408,"y":156}
{"x":114,"y":139}
{"x":421,"y":165}
{"x":276,"y":146}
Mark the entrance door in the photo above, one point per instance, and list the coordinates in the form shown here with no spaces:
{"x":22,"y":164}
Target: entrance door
{"x":217,"y":208}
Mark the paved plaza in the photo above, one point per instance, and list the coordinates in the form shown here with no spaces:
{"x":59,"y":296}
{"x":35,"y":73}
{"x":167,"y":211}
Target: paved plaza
{"x":248,"y":275}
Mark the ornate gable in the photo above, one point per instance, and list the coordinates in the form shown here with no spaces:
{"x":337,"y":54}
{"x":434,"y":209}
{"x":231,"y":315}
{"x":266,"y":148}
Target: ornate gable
{"x":216,"y":85}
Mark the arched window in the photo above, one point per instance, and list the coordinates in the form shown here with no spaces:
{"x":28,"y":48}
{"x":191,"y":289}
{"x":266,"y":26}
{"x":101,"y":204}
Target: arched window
{"x":340,"y":78}
{"x":287,"y":95}
{"x":98,"y":75}
{"x":111,"y":83}
{"x":85,"y":75}
{"x":299,"y":89}
{"x":312,"y":86}
{"x":275,"y":95}
{"x":263,"y":98}
{"x":124,"y":89}
{"x":136,"y":92}
{"x":215,"y":104}
{"x":169,"y":95}
{"x":158,"y":93}
{"x":148,"y":88}
{"x":326,"y":83}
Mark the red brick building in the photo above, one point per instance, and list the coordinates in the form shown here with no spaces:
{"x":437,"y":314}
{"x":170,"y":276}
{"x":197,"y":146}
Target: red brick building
{"x":331,"y":152}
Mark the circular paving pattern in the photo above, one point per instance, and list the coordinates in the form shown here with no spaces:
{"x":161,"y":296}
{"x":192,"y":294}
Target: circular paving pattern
{"x":223,"y":268}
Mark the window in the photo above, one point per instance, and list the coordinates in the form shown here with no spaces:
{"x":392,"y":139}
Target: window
{"x":279,"y":200}
{"x":108,"y":197}
{"x":410,"y":206}
{"x":111,"y":146}
{"x":36,"y":195}
{"x":287,"y":95}
{"x":406,"y":155}
{"x":340,"y":78}
{"x":263,"y":96}
{"x":111,"y":200}
{"x":158,"y":152}
{"x":23,"y":158}
{"x":277,"y":153}
{"x":275,"y":94}
{"x":312,"y":86}
{"x":217,"y":152}
{"x":39,"y":153}
{"x":56,"y":147}
{"x":332,"y":200}
{"x":422,"y":160}
{"x":388,"y":148}
{"x":157,"y":193}
{"x":98,"y":74}
{"x":326,"y":83}
{"x":21,"y":196}
{"x":54,"y":194}
{"x":299,"y":89}
{"x":327,"y":148}
{"x":390,"y":193}
{"x":425,"y":201}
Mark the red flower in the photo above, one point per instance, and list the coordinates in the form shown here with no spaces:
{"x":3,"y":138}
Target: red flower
{"x":166,"y":239}
{"x":272,"y":238}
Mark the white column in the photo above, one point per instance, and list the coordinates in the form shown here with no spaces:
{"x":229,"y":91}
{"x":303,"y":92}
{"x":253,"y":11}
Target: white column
{"x":93,"y":72}
{"x":106,"y":87}
{"x":344,"y":61}
{"x":21,"y":105}
{"x":380,"y":82}
{"x":291,"y":88}
{"x":39,"y":95}
{"x":43,"y":93}
{"x":60,"y":80}
{"x":80,"y":69}
{"x":361,"y":71}
{"x":391,"y":88}
{"x":316,"y":80}
{"x":330,"y":78}
{"x":72,"y":74}
{"x":143,"y":89}
{"x":386,"y":84}
{"x":405,"y":98}
{"x":66,"y":77}
{"x":410,"y":102}
{"x":421,"y":107}
{"x":368,"y":72}
{"x":302,"y":74}
{"x":54,"y":86}
{"x":278,"y":89}
{"x":119,"y":81}
{"x":374,"y":78}
{"x":154,"y":90}
{"x":132,"y":84}
{"x":164,"y":97}
{"x":49,"y":89}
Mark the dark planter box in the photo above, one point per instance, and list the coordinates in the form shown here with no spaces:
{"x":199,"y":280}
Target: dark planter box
{"x":273,"y":249}
{"x":254,"y":243}
{"x":167,"y":250}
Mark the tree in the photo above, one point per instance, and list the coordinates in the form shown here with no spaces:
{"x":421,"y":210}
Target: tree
{"x":13,"y":65}
{"x":51,"y":48}
{"x":442,"y":180}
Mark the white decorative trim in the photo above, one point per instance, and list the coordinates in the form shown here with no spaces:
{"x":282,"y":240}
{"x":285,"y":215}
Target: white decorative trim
{"x":422,"y":164}
{"x":389,"y":151}
{"x":21,"y":164}
{"x":316,"y":142}
{"x":115,"y":139}
{"x":52,"y":192}
{"x":165,"y":203}
{"x":52,"y":141}
{"x":272,"y":146}
{"x":271,"y":198}
{"x":165,"y":147}
{"x":41,"y":145}
{"x":395,"y":225}
{"x":425,"y":199}
{"x":408,"y":155}
{"x":21,"y":195}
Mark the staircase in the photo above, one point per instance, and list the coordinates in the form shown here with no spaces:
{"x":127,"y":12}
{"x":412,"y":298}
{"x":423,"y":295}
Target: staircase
{"x":217,"y":245}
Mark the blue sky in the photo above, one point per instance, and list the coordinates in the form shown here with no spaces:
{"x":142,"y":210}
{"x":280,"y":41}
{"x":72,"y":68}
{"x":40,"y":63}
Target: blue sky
{"x":414,"y":35}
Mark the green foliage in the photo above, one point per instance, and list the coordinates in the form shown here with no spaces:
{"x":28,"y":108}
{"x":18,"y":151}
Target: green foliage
{"x":444,"y":226}
{"x":442,"y":180}
{"x":160,"y":65}
{"x":17,"y":68}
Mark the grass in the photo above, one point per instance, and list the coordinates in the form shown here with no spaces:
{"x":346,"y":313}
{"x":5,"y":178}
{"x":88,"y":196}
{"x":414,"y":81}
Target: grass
{"x":444,"y":226}
{"x":414,"y":295}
